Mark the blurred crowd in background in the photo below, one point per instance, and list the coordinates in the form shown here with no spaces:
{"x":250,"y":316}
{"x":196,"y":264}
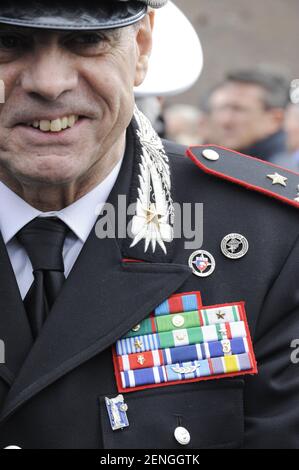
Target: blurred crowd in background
{"x":251,"y":111}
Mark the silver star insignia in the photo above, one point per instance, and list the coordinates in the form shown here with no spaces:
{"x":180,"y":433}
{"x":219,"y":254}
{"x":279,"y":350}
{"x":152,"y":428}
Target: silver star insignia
{"x":278,"y":179}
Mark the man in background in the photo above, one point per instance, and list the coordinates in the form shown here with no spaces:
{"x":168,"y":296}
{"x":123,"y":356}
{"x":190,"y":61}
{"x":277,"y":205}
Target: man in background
{"x":246,"y":113}
{"x":290,"y":159}
{"x":185,"y":124}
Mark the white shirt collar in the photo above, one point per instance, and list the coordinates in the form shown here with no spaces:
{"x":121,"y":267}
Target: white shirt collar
{"x":80,"y":216}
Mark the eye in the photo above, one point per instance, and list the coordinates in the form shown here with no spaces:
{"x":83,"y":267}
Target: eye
{"x":10,"y":41}
{"x":88,"y":44}
{"x":88,"y":39}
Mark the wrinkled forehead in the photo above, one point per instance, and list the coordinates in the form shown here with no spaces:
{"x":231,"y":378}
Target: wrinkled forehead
{"x":71,"y":14}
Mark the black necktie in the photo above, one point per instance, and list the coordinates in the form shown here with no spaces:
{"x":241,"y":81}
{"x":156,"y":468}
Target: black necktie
{"x":43,"y":239}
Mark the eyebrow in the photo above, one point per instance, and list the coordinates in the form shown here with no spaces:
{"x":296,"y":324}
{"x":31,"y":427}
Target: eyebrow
{"x":114,"y":34}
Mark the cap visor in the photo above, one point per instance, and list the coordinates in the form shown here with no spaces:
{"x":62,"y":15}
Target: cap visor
{"x":71,"y":15}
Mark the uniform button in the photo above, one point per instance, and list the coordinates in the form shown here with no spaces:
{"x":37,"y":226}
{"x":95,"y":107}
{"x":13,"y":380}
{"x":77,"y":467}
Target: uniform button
{"x":12,"y":448}
{"x":178,"y":321}
{"x":211,"y":155}
{"x":182,"y":436}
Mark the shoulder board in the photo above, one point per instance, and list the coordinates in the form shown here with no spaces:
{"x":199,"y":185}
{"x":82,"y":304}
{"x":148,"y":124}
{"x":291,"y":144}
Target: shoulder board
{"x":249,"y":172}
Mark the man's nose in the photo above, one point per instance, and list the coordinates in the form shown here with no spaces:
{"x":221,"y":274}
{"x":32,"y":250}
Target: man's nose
{"x":49,"y":75}
{"x":225,"y":116}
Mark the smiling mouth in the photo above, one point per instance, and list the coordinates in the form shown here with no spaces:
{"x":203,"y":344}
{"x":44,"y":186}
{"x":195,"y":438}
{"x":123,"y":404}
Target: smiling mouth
{"x":56,"y":125}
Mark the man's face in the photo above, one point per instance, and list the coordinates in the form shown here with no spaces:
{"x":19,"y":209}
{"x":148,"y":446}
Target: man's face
{"x":292,"y":127}
{"x":54,"y":79}
{"x":238,"y":117}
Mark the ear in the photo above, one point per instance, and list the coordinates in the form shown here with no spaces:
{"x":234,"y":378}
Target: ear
{"x":276,"y":119}
{"x":144,"y":36}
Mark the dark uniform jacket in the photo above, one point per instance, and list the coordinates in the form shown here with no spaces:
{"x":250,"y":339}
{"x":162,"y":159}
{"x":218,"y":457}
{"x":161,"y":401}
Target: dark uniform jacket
{"x":52,"y":392}
{"x":269,"y":148}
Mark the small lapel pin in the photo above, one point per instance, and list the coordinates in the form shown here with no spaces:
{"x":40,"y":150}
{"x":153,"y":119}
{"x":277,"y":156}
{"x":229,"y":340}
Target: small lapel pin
{"x":234,"y":246}
{"x":202,"y":263}
{"x":117,"y":412}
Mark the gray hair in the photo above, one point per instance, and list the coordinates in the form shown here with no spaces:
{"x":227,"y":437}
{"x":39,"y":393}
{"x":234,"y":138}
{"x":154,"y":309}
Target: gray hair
{"x":276,"y":87}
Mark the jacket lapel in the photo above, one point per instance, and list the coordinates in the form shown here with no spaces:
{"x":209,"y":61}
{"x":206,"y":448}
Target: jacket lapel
{"x":14,"y":327}
{"x":103,"y":298}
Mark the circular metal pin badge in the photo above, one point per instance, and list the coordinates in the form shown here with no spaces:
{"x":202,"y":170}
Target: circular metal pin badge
{"x":234,"y":246}
{"x":202,"y":263}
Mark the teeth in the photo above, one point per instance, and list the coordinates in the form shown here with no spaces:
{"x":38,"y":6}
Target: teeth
{"x":56,"y":125}
{"x":72,"y":121}
{"x":45,"y":126}
{"x":64,"y":122}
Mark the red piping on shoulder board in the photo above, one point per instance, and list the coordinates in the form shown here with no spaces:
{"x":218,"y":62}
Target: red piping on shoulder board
{"x":246,"y":185}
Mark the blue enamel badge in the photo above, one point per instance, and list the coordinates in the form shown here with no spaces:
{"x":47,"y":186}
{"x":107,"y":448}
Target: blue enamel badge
{"x":117,"y":412}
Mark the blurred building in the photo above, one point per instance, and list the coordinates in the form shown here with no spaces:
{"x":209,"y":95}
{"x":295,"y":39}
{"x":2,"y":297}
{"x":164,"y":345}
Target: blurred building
{"x":240,"y":34}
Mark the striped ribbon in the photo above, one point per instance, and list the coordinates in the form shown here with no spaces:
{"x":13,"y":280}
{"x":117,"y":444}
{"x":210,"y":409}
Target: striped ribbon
{"x":182,"y":354}
{"x":186,"y":371}
{"x":188,"y":319}
{"x":184,"y":337}
{"x":180,"y":303}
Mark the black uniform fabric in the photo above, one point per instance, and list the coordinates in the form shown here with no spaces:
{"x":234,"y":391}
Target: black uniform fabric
{"x":52,"y":393}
